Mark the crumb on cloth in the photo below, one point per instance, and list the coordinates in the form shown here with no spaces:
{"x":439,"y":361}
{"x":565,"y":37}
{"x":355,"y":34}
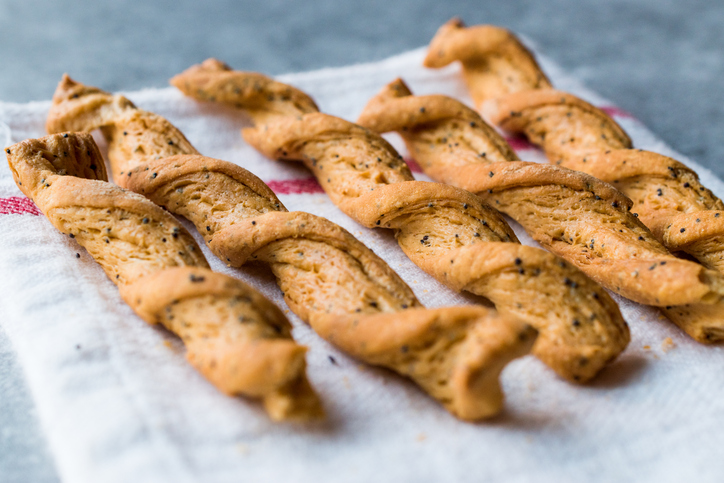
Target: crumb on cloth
{"x":667,"y":344}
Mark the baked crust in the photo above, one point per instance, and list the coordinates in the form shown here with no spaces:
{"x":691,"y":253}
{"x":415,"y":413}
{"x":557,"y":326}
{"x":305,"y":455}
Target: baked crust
{"x":495,"y":62}
{"x":665,"y":194}
{"x":565,"y":126}
{"x":264,"y":98}
{"x":575,"y":215}
{"x":681,"y":213}
{"x":446,"y":231}
{"x":235,"y":337}
{"x":333,"y":282}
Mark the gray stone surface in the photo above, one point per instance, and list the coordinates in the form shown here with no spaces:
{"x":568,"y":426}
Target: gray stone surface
{"x":661,"y":60}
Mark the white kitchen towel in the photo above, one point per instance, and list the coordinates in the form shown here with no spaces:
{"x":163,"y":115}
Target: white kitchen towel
{"x":119,"y":403}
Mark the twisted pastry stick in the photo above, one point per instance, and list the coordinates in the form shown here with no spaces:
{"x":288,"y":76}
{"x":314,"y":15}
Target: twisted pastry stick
{"x":567,"y":127}
{"x":682,"y":214}
{"x":572,"y":214}
{"x":332,"y":281}
{"x":494,"y":61}
{"x":235,"y":337}
{"x":446,"y":231}
{"x":577,"y":135}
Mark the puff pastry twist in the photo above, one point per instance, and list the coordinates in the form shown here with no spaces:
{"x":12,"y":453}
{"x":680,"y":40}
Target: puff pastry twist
{"x":573,"y":214}
{"x":235,"y":337}
{"x":332,"y":281}
{"x":667,"y":196}
{"x":682,"y":213}
{"x":446,"y":231}
{"x":494,"y":61}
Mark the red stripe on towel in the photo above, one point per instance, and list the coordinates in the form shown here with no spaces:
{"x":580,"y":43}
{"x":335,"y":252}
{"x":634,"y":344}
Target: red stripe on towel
{"x":614,"y":111}
{"x":519,"y":143}
{"x":18,"y":205}
{"x":295,"y":186}
{"x":412,"y":164}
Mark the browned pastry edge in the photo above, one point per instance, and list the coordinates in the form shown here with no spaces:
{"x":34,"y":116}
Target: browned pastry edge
{"x":489,"y":345}
{"x":263,"y":96}
{"x":495,"y":61}
{"x":234,"y":337}
{"x":540,"y":113}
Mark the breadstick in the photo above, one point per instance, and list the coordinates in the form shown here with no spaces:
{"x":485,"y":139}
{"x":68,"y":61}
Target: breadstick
{"x":446,"y":231}
{"x":681,"y":213}
{"x":495,"y":62}
{"x":235,"y":337}
{"x":333,"y":282}
{"x":570,"y":213}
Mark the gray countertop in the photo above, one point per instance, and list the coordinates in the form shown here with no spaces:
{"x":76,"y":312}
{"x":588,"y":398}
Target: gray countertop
{"x":661,"y":60}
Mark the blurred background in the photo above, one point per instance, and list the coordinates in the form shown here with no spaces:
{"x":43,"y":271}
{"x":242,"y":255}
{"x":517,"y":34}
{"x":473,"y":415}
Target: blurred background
{"x":661,"y":60}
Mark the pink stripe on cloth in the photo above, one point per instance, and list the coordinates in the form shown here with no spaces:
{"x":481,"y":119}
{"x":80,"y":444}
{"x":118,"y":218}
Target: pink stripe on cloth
{"x":614,"y":111}
{"x":412,"y":164}
{"x":18,"y":205}
{"x":519,"y":143}
{"x":295,"y":186}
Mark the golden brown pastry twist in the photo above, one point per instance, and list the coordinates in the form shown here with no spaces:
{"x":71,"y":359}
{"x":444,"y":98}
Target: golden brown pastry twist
{"x":681,"y":213}
{"x":494,"y":61}
{"x":235,"y":337}
{"x":346,"y":293}
{"x":446,"y":231}
{"x":571,"y":213}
